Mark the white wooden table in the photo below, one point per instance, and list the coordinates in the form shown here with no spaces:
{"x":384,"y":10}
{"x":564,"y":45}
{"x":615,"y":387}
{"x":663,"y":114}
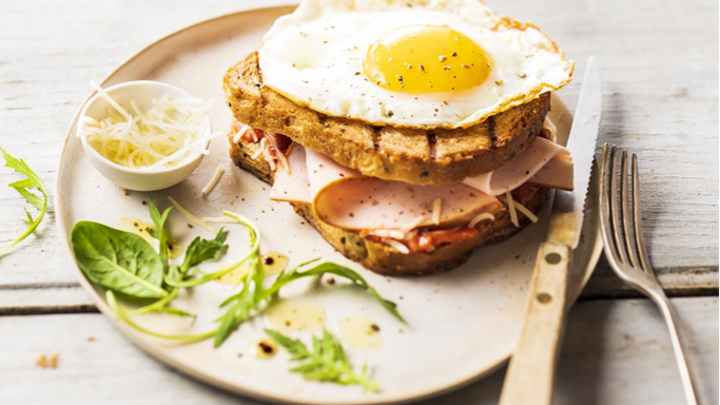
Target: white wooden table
{"x":659,"y":61}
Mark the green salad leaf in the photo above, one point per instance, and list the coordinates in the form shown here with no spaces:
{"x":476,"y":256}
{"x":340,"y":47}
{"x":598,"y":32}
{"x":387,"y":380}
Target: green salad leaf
{"x":124,"y":263}
{"x":254,"y":233}
{"x":119,"y":261}
{"x":253,"y":295}
{"x":243,"y":303}
{"x":25,"y":188}
{"x":294,"y":274}
{"x":159,"y":233}
{"x":201,"y":250}
{"x":326,"y":362}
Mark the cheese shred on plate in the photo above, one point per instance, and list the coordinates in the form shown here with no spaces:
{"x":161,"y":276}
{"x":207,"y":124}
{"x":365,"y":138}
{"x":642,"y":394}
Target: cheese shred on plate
{"x":192,"y":218}
{"x":166,"y":135}
{"x":216,"y":177}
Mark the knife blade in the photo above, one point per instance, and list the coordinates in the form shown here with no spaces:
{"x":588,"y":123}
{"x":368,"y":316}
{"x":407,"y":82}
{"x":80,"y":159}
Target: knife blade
{"x":567,"y":214}
{"x":530,"y":376}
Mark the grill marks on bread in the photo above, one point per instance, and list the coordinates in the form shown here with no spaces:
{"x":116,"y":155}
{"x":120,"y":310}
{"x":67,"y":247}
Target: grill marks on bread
{"x":432,"y":141}
{"x":411,"y":155}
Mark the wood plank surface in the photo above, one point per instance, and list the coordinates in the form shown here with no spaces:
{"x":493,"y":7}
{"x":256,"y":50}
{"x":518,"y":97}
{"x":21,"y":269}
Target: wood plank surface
{"x":659,"y":62}
{"x":616,"y":352}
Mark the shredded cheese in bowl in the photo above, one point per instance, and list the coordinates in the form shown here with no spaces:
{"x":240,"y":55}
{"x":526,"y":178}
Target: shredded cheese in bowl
{"x":166,"y":133}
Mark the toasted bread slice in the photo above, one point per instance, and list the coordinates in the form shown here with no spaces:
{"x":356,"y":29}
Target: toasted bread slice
{"x":416,"y":156}
{"x":380,"y":257}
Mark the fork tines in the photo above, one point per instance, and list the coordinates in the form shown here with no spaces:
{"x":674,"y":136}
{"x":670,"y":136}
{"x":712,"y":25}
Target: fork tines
{"x":625,"y":246}
{"x":625,"y":224}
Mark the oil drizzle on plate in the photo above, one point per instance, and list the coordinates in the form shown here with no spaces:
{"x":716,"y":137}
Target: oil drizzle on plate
{"x":272,"y":262}
{"x":295,"y":315}
{"x":360,"y":332}
{"x":265,"y":348}
{"x":138,"y":227}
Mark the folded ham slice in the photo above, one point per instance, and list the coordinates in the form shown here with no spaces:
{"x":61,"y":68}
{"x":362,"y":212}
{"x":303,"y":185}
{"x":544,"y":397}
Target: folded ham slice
{"x":345,"y":198}
{"x":543,"y":162}
{"x":292,"y":185}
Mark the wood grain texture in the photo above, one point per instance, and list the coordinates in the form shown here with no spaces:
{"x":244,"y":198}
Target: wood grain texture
{"x":44,"y":299}
{"x":659,"y":62}
{"x":531,"y":372}
{"x":615,"y":353}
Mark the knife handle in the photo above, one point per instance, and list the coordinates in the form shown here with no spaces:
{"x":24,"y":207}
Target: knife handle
{"x":529,"y":379}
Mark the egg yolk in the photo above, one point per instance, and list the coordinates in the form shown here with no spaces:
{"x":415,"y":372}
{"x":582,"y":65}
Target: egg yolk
{"x":425,"y":59}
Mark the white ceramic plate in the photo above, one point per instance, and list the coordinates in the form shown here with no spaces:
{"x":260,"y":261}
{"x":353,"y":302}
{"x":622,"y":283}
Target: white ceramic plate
{"x":461,"y":325}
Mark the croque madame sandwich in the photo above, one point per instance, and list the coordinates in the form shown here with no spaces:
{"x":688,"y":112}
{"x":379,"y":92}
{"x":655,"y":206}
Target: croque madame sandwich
{"x":406,"y":132}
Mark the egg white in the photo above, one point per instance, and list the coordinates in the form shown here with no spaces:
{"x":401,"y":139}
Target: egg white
{"x":314,"y":56}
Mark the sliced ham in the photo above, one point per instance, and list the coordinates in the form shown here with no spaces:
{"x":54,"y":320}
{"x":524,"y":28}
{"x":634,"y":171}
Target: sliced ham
{"x":293,"y":185}
{"x":369,"y":203}
{"x":542,"y":155}
{"x":345,"y":198}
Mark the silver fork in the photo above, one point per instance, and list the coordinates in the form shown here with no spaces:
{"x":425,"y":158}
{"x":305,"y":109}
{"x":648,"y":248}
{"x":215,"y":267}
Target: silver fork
{"x":625,"y":247}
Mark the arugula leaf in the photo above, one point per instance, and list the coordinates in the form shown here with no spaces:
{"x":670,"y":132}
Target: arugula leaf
{"x":24,"y":187}
{"x":254,"y":234}
{"x":327,"y":361}
{"x":201,"y":250}
{"x":117,"y":260}
{"x":239,"y":307}
{"x":241,"y":303}
{"x":288,"y":276}
{"x":112,"y":302}
{"x":177,"y":312}
{"x":159,"y":233}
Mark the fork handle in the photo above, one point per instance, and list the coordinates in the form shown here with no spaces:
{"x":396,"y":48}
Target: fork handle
{"x":663,"y":303}
{"x":529,"y":379}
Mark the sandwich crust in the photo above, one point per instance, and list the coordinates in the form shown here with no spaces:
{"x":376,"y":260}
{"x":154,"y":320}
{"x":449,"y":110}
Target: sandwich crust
{"x":378,"y":256}
{"x":411,"y":155}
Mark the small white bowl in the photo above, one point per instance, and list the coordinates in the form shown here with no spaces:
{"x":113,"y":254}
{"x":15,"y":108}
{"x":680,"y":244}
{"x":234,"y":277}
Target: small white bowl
{"x":142,"y":91}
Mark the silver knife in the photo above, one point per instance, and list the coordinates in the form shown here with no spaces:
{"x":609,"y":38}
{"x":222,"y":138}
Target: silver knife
{"x":529,"y":379}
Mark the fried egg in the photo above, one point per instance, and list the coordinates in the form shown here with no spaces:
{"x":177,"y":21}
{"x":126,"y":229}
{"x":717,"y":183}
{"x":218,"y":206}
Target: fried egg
{"x":409,"y":63}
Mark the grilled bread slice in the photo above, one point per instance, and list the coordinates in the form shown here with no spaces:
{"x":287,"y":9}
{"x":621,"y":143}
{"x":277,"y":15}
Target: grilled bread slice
{"x":416,"y":156}
{"x":378,"y":256}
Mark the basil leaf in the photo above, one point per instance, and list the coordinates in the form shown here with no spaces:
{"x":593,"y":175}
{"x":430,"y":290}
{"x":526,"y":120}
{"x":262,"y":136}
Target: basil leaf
{"x":119,"y":261}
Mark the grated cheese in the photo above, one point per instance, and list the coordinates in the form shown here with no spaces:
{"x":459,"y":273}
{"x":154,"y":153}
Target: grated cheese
{"x":265,"y":147}
{"x":216,"y":177}
{"x":259,"y":151}
{"x":192,"y":218}
{"x":400,"y":247}
{"x":169,"y":133}
{"x":526,"y":211}
{"x":283,"y":161}
{"x":479,"y":218}
{"x":437,"y":208}
{"x":511,"y":209}
{"x":241,"y":132}
{"x":412,"y":224}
